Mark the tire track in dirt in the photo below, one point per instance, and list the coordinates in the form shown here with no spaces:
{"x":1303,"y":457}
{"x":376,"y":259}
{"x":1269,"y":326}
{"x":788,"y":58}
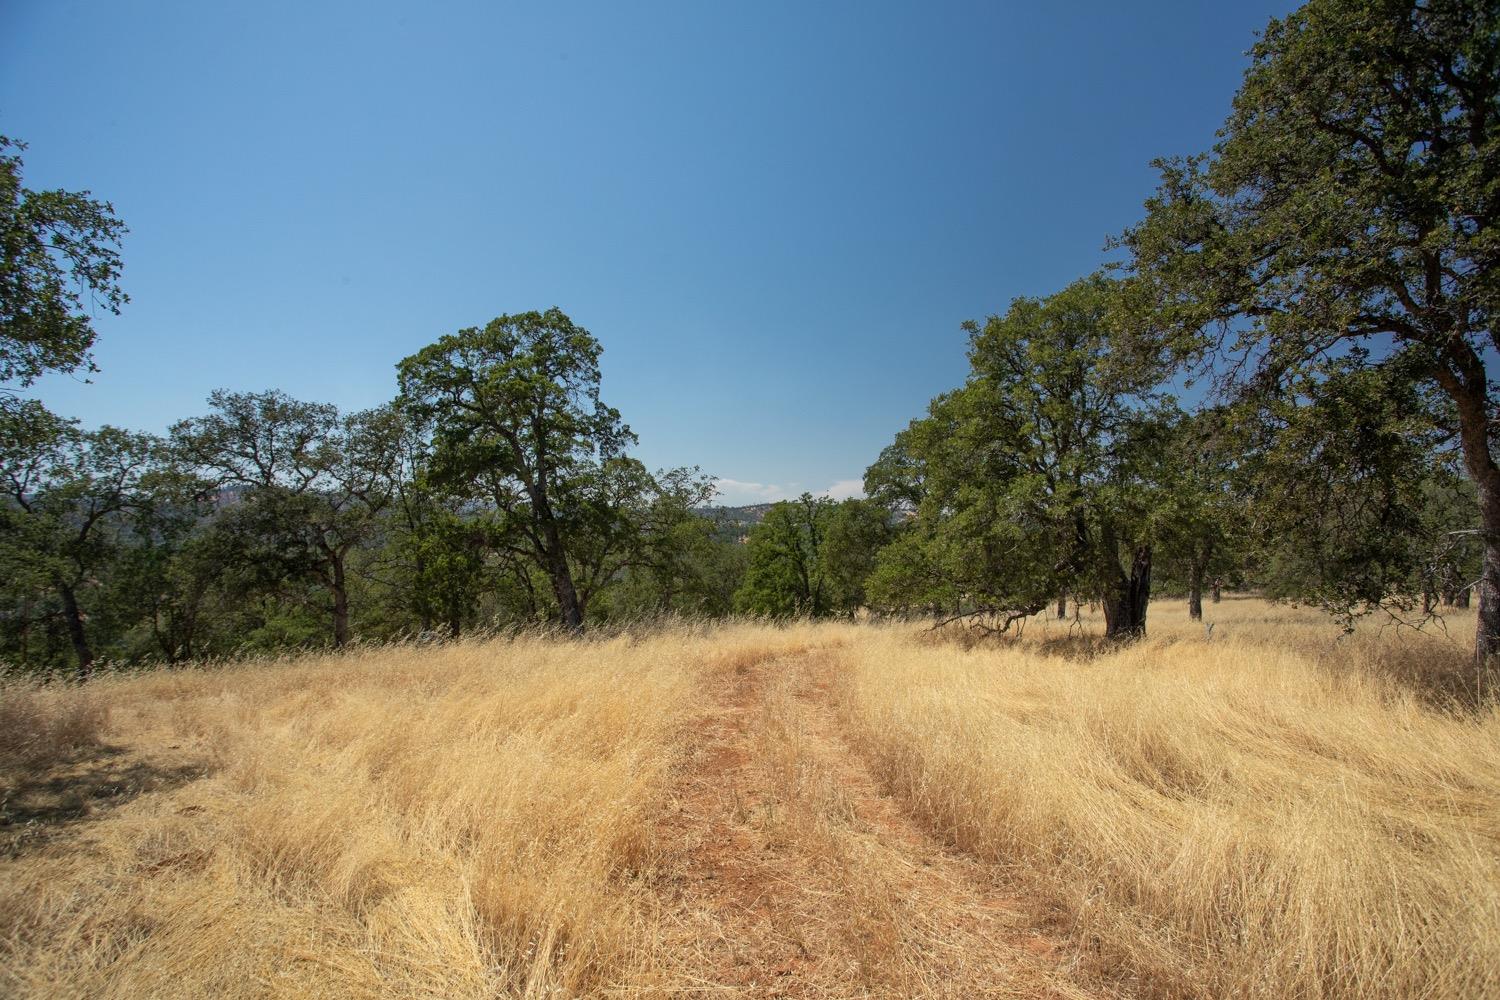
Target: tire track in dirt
{"x":787,"y":872}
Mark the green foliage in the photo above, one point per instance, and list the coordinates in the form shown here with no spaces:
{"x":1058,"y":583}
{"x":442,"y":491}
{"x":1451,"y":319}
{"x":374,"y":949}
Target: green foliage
{"x":1330,"y":265}
{"x":68,"y":500}
{"x":855,"y":533}
{"x":1341,"y":486}
{"x":810,"y":557}
{"x":447,"y":571}
{"x":1347,"y":212}
{"x":692,"y":573}
{"x":307,"y":486}
{"x":1351,"y":194}
{"x":653,"y":552}
{"x":54,"y":246}
{"x":786,"y":576}
{"x":518,"y":424}
{"x":1204,"y":501}
{"x":517,"y":416}
{"x":1449,"y":550}
{"x":1040,"y":476}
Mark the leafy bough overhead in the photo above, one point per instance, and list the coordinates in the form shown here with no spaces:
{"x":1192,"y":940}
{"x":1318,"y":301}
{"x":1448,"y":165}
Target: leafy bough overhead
{"x":59,"y":261}
{"x":1351,"y":202}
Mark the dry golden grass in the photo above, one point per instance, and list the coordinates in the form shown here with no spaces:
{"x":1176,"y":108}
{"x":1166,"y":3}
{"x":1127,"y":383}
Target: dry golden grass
{"x":820,"y":810}
{"x":454,"y":821}
{"x":1253,"y":815}
{"x":42,"y":726}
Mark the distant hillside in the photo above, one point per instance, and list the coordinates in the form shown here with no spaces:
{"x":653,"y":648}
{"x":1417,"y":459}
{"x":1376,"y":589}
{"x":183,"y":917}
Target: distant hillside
{"x":733,"y":524}
{"x":749,"y":514}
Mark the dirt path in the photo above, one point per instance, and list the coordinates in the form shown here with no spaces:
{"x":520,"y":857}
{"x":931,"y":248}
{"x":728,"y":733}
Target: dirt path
{"x":788,"y":873}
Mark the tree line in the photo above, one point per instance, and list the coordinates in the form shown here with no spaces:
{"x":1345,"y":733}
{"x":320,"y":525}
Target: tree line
{"x":1328,"y":271}
{"x":496,"y":489}
{"x":1282,"y":382}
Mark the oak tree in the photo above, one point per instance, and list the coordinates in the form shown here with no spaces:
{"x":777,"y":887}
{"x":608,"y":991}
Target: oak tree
{"x":515,"y":409}
{"x":1351,"y":201}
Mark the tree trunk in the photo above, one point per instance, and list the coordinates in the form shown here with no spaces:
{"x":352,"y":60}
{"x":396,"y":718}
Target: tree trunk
{"x":1062,"y":605}
{"x":1195,"y":592}
{"x":570,"y":608}
{"x":567,"y":602}
{"x":1487,"y":632}
{"x":554,"y":558}
{"x":1470,"y":394}
{"x":1461,"y":599}
{"x":1125,"y":609}
{"x":424,"y":609}
{"x":340,"y":591}
{"x":76,"y":634}
{"x":1218,"y":590}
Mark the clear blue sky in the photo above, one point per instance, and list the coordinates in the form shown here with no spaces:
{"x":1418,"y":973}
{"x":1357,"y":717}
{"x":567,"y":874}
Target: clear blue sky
{"x":773,"y":215}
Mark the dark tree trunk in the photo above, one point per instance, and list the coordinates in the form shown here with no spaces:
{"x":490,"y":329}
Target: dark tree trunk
{"x":1062,"y":606}
{"x":1195,"y":592}
{"x":424,"y":610}
{"x":1428,"y":600}
{"x":1125,"y":608}
{"x":570,"y":608}
{"x":340,"y":591}
{"x":1218,"y":590}
{"x":76,"y":633}
{"x":1461,"y":599}
{"x":1487,"y":632}
{"x":554,"y":558}
{"x":1469,"y":389}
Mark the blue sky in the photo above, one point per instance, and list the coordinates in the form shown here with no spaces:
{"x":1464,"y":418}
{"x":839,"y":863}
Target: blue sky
{"x":774,"y":216}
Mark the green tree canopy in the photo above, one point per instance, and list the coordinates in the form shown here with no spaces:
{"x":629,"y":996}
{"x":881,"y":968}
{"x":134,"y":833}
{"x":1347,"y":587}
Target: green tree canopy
{"x":1351,"y":201}
{"x":1038,"y":477}
{"x":305,"y":485}
{"x":56,"y":247}
{"x":517,"y":418}
{"x":786,"y":575}
{"x":66,"y":497}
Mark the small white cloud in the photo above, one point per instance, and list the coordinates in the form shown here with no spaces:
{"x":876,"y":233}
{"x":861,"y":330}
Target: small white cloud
{"x":737,"y":492}
{"x":845,"y":489}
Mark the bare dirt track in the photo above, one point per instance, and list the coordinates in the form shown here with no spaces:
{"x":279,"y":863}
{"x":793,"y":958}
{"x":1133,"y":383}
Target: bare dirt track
{"x":788,"y":872}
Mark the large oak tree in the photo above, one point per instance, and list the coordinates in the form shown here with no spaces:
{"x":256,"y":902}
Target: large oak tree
{"x":1041,"y":475}
{"x":515,"y":410}
{"x":1348,"y":210}
{"x":304,"y":486}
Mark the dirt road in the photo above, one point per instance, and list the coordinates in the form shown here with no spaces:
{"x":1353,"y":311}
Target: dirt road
{"x":789,"y":873}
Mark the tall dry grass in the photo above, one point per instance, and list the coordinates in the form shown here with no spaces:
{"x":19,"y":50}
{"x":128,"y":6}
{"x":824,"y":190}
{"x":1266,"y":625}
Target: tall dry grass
{"x":1270,"y":812}
{"x":1266,"y":813}
{"x":41,"y":726}
{"x":457,"y":821}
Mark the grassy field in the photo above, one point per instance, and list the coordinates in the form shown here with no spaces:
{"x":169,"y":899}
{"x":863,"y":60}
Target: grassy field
{"x":828,"y":810}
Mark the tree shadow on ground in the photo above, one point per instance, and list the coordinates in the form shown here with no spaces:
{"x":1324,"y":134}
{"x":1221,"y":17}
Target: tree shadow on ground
{"x":1075,"y":645}
{"x":36,"y":807}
